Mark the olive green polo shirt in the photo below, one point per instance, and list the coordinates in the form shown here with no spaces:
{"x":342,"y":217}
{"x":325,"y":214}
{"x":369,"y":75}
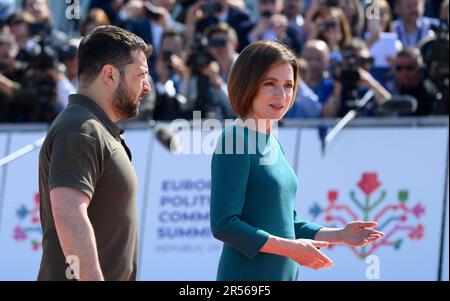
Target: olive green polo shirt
{"x":84,"y":150}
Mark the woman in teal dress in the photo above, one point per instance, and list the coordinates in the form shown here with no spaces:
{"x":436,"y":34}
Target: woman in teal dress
{"x":253,"y":186}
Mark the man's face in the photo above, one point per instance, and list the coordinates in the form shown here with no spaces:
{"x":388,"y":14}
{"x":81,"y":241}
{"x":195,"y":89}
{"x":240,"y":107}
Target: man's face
{"x":317,"y":60}
{"x":272,"y":6}
{"x":219,"y":45}
{"x":407,"y":72}
{"x":294,"y":7}
{"x":38,"y":8}
{"x":132,"y":87}
{"x":412,"y":9}
{"x":174,"y":44}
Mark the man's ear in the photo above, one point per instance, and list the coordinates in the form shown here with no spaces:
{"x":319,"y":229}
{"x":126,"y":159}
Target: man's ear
{"x":109,"y":74}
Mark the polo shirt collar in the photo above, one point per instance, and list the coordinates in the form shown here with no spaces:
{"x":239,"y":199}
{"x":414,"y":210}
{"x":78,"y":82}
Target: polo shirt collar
{"x":95,"y":108}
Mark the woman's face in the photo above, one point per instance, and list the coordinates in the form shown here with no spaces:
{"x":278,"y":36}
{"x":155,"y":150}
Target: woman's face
{"x":331,"y":29}
{"x":274,"y":94}
{"x":20,"y":29}
{"x":385,"y":18}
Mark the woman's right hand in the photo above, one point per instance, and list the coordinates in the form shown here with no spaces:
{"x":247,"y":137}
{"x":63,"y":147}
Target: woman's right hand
{"x":303,"y":251}
{"x":306,"y":253}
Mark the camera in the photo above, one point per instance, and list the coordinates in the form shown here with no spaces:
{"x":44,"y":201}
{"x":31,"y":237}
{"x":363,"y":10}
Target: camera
{"x":331,"y":3}
{"x":40,"y":29}
{"x":349,"y":76}
{"x":199,"y":58}
{"x":166,"y":55}
{"x":266,"y":14}
{"x":345,"y":70}
{"x":45,"y":57}
{"x":39,"y":89}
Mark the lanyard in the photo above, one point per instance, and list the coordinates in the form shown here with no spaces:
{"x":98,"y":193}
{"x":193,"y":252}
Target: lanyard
{"x":403,"y":36}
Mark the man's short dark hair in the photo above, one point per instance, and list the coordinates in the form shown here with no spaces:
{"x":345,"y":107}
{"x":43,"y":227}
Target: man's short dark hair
{"x":107,"y":45}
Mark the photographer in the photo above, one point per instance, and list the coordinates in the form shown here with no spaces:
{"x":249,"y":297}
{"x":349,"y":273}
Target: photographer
{"x":41,"y":92}
{"x":205,"y":88}
{"x":43,"y":25}
{"x":20,"y":25}
{"x":410,"y":79}
{"x":149,"y":23}
{"x":206,"y":13}
{"x":352,"y":80}
{"x":435,"y":55}
{"x":273,"y":25}
{"x":170,"y":70}
{"x":11,"y":74}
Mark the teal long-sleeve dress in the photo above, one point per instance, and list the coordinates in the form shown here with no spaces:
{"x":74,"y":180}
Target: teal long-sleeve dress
{"x":253,"y":192}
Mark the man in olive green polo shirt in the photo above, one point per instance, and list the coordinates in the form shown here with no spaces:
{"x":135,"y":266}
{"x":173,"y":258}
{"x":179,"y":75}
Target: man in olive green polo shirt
{"x":87,"y":183}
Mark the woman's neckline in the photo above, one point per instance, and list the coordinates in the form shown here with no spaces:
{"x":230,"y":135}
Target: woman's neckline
{"x":240,"y":123}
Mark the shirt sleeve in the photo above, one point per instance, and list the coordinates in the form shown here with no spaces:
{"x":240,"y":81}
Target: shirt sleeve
{"x":76,"y":162}
{"x":304,"y":229}
{"x":229,"y":175}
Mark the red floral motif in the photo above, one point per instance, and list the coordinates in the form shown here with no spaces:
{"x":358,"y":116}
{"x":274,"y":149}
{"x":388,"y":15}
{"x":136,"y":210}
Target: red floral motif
{"x":332,"y":195}
{"x":369,"y":183}
{"x":417,"y":233}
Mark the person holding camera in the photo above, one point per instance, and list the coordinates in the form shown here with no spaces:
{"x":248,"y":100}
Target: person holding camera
{"x":329,"y":24}
{"x":409,"y":79}
{"x":43,"y":25}
{"x":20,"y":25}
{"x":352,"y":79}
{"x":171,"y":70}
{"x":206,"y":13}
{"x":150,"y":28}
{"x":273,"y":25}
{"x":209,"y":65}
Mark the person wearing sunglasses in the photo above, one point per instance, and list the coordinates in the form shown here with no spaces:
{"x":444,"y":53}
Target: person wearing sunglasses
{"x":206,"y":13}
{"x":409,"y":79}
{"x":352,"y":79}
{"x":274,"y":26}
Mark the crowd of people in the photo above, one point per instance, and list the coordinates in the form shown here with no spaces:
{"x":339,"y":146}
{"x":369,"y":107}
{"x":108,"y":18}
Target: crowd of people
{"x":344,"y":48}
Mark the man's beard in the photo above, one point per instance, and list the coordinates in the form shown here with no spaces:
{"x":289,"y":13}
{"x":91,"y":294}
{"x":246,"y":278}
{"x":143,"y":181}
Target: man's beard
{"x":123,"y":102}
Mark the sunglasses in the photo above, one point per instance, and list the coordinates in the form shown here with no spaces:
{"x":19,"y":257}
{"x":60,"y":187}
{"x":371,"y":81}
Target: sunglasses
{"x":406,"y":67}
{"x":329,"y":25}
{"x":217,"y":43}
{"x":366,"y":60}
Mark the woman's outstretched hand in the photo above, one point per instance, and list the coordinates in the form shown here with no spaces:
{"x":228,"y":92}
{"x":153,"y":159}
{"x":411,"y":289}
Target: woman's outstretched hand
{"x":360,"y":233}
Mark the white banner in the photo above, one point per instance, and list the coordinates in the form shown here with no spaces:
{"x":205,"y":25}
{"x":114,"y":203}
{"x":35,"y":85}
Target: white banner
{"x":393,"y":176}
{"x":140,"y":143}
{"x":177,"y":243}
{"x":20,"y":228}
